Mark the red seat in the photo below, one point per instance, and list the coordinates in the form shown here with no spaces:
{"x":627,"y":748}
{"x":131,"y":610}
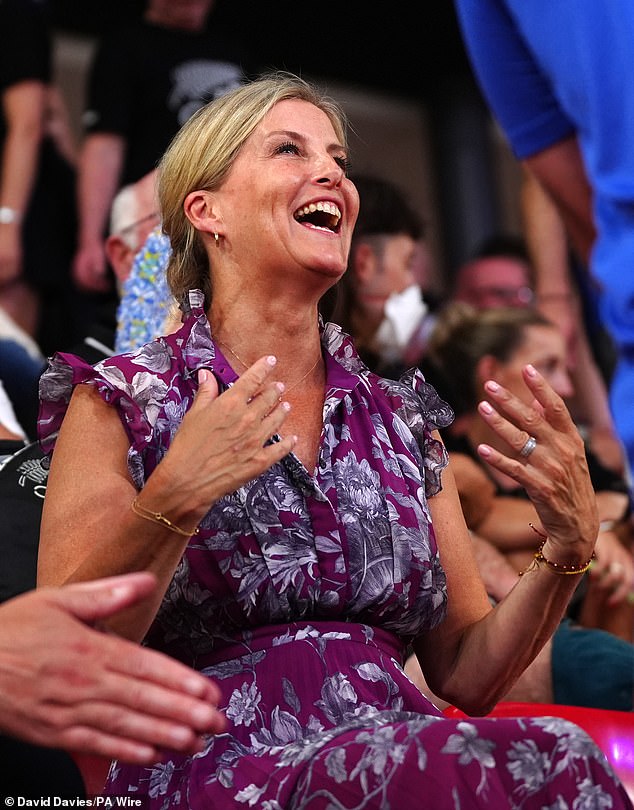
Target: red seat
{"x":612,"y":731}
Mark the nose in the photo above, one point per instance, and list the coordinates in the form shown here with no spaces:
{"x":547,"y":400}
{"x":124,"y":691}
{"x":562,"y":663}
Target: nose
{"x":328,"y":172}
{"x":562,"y":384}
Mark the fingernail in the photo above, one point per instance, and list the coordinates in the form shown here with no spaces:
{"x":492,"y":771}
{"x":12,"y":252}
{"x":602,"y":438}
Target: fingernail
{"x":193,"y":686}
{"x":180,"y":736}
{"x":285,"y":406}
{"x":491,"y":385}
{"x":280,"y":387}
{"x":486,"y":407}
{"x":271,"y":359}
{"x":531,"y":370}
{"x":203,"y":375}
{"x":484,"y":450}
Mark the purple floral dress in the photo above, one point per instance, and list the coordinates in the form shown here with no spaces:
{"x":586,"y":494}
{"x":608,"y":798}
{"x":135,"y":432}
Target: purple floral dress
{"x":299,"y":596}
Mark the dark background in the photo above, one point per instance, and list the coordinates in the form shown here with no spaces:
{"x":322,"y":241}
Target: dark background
{"x":408,"y":50}
{"x":403,"y":47}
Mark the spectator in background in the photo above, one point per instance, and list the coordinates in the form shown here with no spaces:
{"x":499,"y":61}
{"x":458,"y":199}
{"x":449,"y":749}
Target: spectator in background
{"x":380,"y":302}
{"x":146,"y":81}
{"x":21,"y":364}
{"x":37,"y":197}
{"x":498,"y":275}
{"x":568,"y":112}
{"x":501,"y":274}
{"x":469,"y":347}
{"x":134,"y":244}
{"x":139,"y":254}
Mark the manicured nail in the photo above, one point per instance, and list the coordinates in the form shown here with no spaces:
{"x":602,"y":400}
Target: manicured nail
{"x":271,"y":359}
{"x":486,"y":407}
{"x":531,"y":370}
{"x":484,"y":450}
{"x":492,"y":386}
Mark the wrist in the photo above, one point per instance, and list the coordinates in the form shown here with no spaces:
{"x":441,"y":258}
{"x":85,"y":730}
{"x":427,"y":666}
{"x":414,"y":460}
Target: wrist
{"x":560,"y":560}
{"x":564,"y":560}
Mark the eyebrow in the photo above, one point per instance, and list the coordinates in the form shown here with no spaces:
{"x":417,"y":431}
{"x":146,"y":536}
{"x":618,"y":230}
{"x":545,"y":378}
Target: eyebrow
{"x":297,"y":136}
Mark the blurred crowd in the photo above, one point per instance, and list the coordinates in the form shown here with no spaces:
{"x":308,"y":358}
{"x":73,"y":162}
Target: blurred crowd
{"x":83,"y":269}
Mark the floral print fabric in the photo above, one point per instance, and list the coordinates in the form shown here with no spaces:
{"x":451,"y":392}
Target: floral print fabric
{"x":299,"y":595}
{"x":146,"y":300}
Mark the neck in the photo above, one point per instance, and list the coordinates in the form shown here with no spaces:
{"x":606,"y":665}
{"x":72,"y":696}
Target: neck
{"x":245,"y":336}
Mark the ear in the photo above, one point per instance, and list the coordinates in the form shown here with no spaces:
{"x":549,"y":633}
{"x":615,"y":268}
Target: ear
{"x":364,"y":262}
{"x":201,"y":210}
{"x":488,"y":368}
{"x":120,"y":257}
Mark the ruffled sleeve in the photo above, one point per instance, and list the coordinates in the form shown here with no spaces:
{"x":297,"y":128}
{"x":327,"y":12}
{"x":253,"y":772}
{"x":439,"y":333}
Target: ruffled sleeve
{"x":65,"y":371}
{"x":151,"y":388}
{"x":424,"y":411}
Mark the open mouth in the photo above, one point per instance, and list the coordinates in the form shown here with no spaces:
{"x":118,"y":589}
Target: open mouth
{"x":322,"y":215}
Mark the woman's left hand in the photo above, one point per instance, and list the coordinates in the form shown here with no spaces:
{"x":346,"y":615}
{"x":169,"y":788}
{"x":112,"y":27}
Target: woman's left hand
{"x":554,"y":472}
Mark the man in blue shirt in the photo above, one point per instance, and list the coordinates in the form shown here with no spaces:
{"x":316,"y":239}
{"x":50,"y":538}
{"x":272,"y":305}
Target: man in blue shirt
{"x":557,"y":77}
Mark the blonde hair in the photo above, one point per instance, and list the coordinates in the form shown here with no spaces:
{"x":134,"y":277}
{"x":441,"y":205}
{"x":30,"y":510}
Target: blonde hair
{"x":202,"y":154}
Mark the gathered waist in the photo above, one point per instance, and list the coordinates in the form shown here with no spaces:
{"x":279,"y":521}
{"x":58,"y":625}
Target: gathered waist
{"x":319,"y":634}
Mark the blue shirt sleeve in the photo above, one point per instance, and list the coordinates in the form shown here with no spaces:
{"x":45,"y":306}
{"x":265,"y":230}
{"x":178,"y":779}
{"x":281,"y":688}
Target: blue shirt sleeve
{"x":517,"y":91}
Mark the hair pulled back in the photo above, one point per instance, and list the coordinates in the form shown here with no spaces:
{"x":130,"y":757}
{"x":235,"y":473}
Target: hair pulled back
{"x":463,"y":335}
{"x":201,"y":155}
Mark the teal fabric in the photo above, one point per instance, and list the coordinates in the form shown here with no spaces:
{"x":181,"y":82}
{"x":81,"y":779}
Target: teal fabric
{"x":592,"y":668}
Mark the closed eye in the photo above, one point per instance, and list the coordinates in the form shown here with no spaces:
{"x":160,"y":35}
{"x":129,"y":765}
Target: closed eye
{"x":343,"y":163}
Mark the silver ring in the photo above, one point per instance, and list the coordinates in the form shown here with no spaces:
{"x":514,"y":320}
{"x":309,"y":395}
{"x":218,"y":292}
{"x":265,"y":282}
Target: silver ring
{"x":531,"y":444}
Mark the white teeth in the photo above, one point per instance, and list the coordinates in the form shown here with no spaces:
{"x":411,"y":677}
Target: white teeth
{"x":329,"y":208}
{"x":322,"y":206}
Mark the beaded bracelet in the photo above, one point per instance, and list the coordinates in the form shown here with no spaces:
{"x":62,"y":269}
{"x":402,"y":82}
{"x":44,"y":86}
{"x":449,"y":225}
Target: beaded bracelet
{"x":158,"y":517}
{"x":557,"y":568}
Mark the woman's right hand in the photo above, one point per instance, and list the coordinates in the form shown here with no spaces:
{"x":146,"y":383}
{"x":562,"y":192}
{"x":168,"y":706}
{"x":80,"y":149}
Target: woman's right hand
{"x":221,"y":443}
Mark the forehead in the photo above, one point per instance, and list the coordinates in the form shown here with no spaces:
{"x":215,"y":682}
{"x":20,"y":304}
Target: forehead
{"x":542,"y":339}
{"x":299,"y":117}
{"x":497,"y":270}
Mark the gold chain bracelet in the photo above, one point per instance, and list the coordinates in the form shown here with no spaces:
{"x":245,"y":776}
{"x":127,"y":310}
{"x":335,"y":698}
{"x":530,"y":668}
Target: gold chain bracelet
{"x":158,"y":517}
{"x":557,"y":568}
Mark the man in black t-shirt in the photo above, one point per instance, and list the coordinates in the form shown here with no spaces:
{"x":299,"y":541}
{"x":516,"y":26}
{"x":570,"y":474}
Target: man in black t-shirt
{"x":146,"y":81}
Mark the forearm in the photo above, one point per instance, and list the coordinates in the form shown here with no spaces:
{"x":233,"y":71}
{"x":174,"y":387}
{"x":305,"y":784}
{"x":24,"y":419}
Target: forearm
{"x":100,"y":166}
{"x":501,"y":645}
{"x":23,"y":109}
{"x":88,"y":529}
{"x":561,"y":171}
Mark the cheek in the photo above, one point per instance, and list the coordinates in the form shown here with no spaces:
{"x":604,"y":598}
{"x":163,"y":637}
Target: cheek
{"x":513,"y":380}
